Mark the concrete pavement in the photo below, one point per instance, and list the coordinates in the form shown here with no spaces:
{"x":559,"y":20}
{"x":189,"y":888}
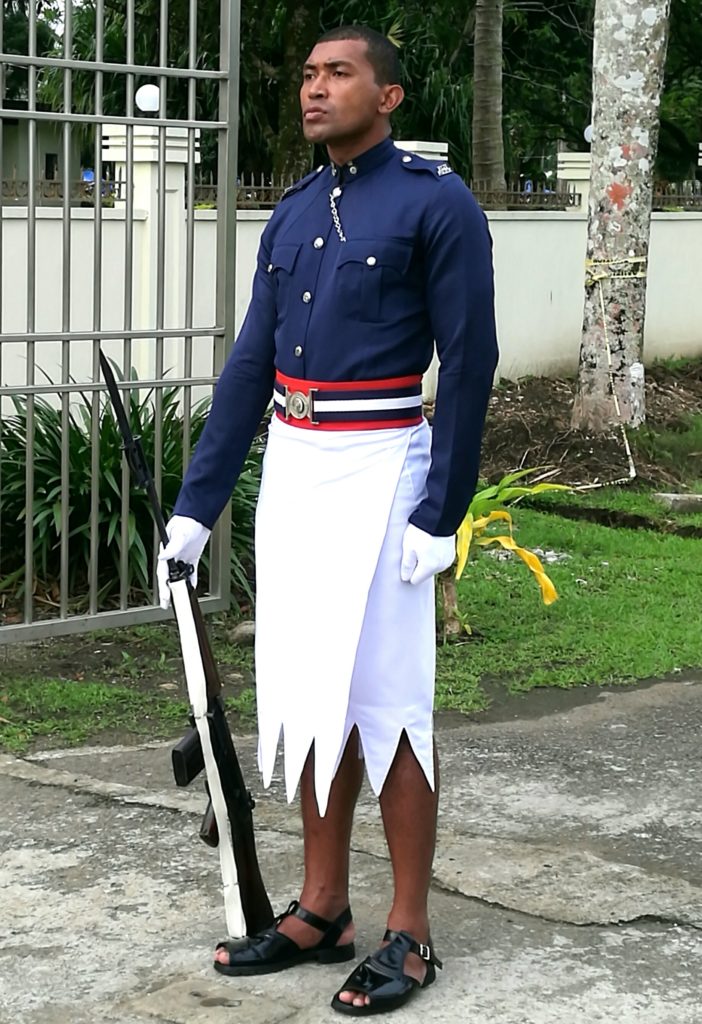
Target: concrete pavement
{"x":567,"y":885}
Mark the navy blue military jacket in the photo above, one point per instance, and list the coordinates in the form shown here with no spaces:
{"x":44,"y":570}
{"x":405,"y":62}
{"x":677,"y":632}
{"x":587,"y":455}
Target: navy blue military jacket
{"x":415,"y":265}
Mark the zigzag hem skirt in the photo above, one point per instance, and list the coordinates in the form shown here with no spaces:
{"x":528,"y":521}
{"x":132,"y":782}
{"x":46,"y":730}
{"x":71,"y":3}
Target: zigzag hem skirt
{"x":341,"y":641}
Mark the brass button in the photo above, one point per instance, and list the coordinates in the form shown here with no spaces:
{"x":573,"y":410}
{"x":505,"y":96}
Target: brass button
{"x":371,"y":261}
{"x":307,"y":296}
{"x":298,"y":350}
{"x":318,"y":243}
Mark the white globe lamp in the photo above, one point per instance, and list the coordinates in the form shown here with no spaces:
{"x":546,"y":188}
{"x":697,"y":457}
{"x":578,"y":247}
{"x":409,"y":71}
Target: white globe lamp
{"x":148,"y":98}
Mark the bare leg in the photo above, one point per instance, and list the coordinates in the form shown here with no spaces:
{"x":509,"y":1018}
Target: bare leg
{"x":326,"y":844}
{"x":409,"y":809}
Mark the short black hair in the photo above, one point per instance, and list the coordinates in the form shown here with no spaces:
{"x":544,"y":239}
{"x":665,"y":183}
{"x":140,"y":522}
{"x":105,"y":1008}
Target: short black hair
{"x":382,"y":55}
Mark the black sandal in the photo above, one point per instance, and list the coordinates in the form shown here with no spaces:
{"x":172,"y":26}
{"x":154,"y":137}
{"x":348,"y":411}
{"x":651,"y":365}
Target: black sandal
{"x":382,"y":976}
{"x":269,"y":951}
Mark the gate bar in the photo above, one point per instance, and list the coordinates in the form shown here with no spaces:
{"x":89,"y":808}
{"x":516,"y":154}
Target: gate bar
{"x":31,"y":321}
{"x":67,"y":228}
{"x":144,"y":70}
{"x":128,"y":312}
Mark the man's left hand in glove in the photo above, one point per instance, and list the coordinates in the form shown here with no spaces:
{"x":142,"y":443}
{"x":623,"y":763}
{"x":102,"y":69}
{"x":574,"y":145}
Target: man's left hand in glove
{"x":423,"y":555}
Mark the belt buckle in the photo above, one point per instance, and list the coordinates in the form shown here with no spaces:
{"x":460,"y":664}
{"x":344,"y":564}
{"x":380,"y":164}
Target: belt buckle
{"x":300,"y":406}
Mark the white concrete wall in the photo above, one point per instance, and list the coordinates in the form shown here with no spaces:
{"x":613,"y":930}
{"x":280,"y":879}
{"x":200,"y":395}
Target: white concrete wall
{"x":49,"y":273}
{"x":674,"y":298}
{"x":539,"y":264}
{"x":250,"y":225}
{"x":539,"y":271}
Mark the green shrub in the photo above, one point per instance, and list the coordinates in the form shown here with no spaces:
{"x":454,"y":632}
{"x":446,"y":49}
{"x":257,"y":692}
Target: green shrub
{"x":46,"y":446}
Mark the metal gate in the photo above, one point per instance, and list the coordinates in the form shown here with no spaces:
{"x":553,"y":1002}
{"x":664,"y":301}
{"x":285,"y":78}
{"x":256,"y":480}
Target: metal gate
{"x":101,"y":246}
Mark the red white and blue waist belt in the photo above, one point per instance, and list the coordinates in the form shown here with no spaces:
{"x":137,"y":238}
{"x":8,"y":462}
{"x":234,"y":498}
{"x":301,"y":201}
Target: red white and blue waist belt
{"x":348,"y":405}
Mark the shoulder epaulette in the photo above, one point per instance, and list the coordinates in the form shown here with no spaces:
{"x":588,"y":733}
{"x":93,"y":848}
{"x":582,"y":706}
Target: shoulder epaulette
{"x":439,"y":169}
{"x":298,"y":186}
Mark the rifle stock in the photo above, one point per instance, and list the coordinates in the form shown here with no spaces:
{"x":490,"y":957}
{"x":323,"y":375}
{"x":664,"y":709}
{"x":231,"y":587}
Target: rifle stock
{"x":255,"y":902}
{"x":254,"y":899}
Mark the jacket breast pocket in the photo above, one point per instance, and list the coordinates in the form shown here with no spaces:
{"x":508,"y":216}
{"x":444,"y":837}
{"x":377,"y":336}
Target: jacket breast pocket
{"x":371,"y":276}
{"x":282,"y":266}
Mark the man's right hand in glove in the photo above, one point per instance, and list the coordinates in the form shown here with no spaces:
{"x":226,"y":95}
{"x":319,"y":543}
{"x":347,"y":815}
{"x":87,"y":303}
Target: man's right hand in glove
{"x":186,"y":542}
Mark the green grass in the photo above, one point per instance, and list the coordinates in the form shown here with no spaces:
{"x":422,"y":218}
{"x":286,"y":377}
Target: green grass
{"x":629,"y":609}
{"x":73,"y":711}
{"x":678,"y":449}
{"x":127,"y":682}
{"x":70,"y":712}
{"x":676,"y":364}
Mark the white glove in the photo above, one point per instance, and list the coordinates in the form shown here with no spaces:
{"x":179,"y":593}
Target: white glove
{"x":423,"y":555}
{"x":186,"y":542}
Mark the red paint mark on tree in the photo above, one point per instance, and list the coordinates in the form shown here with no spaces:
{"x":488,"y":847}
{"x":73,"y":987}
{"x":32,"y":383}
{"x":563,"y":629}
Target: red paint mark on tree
{"x":618,"y":193}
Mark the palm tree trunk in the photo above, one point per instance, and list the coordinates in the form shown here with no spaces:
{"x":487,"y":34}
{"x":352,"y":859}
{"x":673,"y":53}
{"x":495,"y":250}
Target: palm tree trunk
{"x":629,"y":57}
{"x":488,"y":144}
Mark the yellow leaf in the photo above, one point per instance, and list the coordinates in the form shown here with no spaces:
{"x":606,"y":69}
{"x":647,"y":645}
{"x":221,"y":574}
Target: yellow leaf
{"x":468,"y":530}
{"x":464,"y":537}
{"x":480,"y":524}
{"x":548,"y":591}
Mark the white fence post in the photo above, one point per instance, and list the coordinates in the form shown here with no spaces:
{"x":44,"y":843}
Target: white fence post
{"x":574,"y":169}
{"x":146,"y":233}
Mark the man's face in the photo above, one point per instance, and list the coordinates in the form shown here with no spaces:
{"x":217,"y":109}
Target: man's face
{"x":340,"y":97}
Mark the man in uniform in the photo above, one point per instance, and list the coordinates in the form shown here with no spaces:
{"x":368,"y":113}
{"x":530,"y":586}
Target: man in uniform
{"x":363,"y":265}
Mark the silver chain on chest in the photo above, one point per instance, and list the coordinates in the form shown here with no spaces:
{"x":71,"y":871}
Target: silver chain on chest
{"x":335,"y":216}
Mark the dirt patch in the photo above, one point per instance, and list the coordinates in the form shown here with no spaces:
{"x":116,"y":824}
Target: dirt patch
{"x":146,"y":659}
{"x":528,"y":424}
{"x":617,"y":519}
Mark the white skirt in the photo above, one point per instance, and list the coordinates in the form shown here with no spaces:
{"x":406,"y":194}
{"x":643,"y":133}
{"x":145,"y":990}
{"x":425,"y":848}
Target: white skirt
{"x":341,"y":641}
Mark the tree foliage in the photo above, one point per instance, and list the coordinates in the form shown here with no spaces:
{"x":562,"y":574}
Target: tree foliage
{"x":681,"y":103}
{"x":15,"y":38}
{"x":547,"y":71}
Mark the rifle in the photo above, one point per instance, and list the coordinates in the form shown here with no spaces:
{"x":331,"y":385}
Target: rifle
{"x":228,"y":820}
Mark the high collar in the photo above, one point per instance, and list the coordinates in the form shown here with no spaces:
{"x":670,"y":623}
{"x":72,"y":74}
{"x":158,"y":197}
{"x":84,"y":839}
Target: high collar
{"x":368,"y":161}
